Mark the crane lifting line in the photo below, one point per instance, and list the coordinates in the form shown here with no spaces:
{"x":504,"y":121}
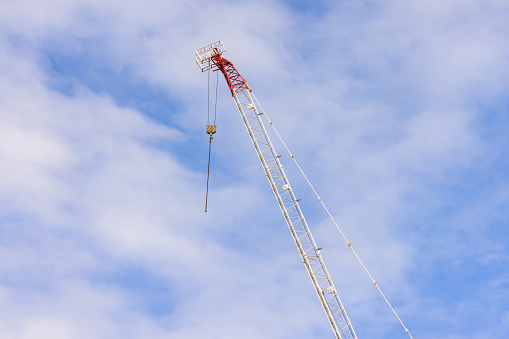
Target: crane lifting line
{"x":211,"y":129}
{"x":208,"y":98}
{"x":331,"y":217}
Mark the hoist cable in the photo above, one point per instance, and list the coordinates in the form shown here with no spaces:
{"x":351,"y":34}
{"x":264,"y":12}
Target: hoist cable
{"x":208,"y":97}
{"x":215,"y":107}
{"x":332,"y":218}
{"x":208,"y":174}
{"x":211,"y":129}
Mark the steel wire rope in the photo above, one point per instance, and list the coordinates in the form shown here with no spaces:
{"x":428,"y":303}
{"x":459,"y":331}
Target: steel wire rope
{"x":332,"y":218}
{"x":210,"y":134}
{"x":208,"y":97}
{"x":215,"y":107}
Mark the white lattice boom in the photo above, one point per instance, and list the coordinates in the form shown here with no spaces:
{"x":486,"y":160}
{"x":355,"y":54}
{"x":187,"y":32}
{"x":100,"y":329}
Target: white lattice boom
{"x":210,"y":57}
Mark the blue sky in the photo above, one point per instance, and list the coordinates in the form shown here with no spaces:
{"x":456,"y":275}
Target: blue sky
{"x":397,"y":111}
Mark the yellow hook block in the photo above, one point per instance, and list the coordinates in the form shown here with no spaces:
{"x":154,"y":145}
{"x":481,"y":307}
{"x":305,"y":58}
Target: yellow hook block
{"x":211,"y":129}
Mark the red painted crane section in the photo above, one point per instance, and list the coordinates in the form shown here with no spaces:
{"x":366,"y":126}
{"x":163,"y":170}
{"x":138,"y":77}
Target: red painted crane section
{"x":236,"y":82}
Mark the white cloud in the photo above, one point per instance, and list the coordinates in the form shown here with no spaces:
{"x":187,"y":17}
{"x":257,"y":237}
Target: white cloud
{"x":379,"y":102}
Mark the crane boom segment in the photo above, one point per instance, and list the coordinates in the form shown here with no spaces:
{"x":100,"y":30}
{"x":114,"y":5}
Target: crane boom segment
{"x":236,"y":82}
{"x":210,"y":57}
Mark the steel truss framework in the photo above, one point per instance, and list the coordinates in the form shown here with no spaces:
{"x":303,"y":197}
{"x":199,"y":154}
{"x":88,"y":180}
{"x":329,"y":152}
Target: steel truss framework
{"x":310,"y":254}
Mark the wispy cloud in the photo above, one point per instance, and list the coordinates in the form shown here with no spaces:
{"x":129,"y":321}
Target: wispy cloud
{"x":396,"y":111}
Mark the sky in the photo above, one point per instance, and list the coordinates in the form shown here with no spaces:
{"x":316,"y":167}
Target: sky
{"x":397,"y":111}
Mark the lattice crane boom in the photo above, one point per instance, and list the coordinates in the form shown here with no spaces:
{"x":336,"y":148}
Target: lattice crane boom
{"x":210,"y":58}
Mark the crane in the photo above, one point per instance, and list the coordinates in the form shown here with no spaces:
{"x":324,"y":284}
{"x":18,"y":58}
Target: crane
{"x":211,"y":57}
